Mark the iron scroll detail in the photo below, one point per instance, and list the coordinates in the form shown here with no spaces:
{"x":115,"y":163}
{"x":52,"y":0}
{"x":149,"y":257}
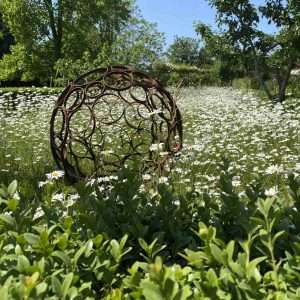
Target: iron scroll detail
{"x":113,"y":117}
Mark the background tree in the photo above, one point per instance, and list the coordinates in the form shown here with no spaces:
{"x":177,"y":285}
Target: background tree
{"x":286,"y":45}
{"x":220,"y":53}
{"x":6,"y":38}
{"x":184,"y":50}
{"x":273,"y":56}
{"x":139,"y":43}
{"x":47,"y":30}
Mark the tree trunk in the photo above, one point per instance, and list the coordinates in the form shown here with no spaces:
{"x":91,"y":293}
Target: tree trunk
{"x":56,"y":30}
{"x":259,"y":77}
{"x":60,"y":27}
{"x":258,"y":73}
{"x":284,"y":83}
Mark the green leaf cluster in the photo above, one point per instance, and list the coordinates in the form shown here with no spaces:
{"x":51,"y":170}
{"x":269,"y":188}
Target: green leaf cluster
{"x":126,"y":247}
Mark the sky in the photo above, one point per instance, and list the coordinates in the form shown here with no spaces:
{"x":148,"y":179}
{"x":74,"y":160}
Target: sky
{"x":176,"y":17}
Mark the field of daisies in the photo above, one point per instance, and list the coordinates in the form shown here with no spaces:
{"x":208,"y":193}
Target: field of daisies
{"x":223,"y":224}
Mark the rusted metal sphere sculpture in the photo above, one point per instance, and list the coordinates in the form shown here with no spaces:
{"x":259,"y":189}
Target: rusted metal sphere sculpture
{"x":114,"y":117}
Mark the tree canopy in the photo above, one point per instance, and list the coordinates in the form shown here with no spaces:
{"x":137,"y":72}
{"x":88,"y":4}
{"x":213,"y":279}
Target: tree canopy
{"x":50,"y":33}
{"x":6,"y":38}
{"x":184,"y":50}
{"x":273,"y":56}
{"x":53,"y":41}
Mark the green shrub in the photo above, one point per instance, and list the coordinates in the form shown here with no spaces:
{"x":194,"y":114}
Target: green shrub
{"x":60,"y":249}
{"x":294,"y":86}
{"x":246,"y":83}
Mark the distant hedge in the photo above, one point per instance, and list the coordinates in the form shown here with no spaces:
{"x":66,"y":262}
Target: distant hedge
{"x":185,"y":75}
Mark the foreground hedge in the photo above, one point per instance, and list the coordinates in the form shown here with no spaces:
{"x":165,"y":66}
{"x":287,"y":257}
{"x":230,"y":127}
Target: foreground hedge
{"x":62,"y":245}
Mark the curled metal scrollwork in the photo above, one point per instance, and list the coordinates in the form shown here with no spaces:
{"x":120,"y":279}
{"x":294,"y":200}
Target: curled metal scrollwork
{"x":114,"y":117}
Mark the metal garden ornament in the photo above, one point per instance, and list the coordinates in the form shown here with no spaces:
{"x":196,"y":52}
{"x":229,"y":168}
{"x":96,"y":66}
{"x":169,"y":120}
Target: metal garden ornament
{"x":111,"y":118}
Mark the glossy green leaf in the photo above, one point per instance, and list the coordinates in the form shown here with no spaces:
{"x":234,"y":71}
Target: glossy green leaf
{"x":56,"y":286}
{"x":217,"y":254}
{"x":184,"y":294}
{"x":23,"y":264}
{"x":66,"y":284}
{"x":12,"y":204}
{"x":151,"y":291}
{"x":7,"y":219}
{"x":63,"y":257}
{"x":41,"y":288}
{"x":32,"y":239}
{"x":12,"y":188}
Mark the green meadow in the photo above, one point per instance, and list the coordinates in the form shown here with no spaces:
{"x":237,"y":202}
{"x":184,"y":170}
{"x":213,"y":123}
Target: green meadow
{"x":222,"y":224}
